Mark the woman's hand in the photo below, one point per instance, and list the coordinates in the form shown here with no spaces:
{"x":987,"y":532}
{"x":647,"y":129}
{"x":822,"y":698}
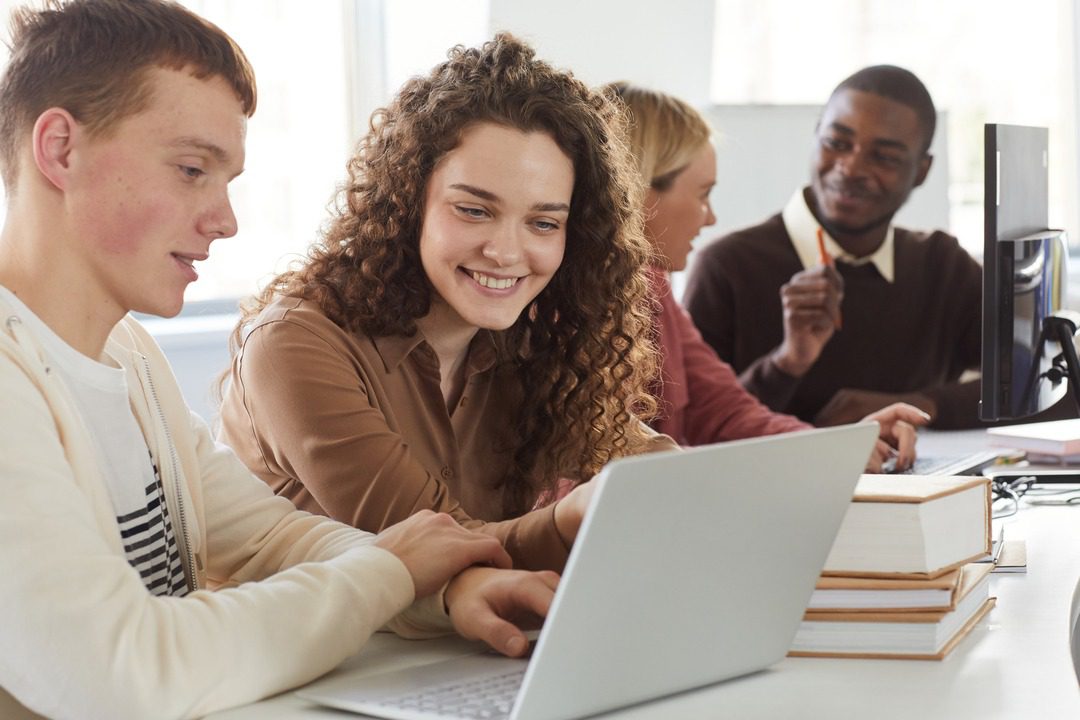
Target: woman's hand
{"x":570,"y":511}
{"x":897,"y":437}
{"x":497,"y":605}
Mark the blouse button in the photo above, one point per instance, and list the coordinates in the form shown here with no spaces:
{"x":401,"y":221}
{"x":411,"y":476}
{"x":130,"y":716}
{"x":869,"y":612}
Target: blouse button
{"x":446,"y":472}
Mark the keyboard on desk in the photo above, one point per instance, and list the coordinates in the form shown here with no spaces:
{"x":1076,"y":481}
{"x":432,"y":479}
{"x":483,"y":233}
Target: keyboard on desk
{"x":470,"y":687}
{"x":970,"y":464}
{"x":473,"y":699}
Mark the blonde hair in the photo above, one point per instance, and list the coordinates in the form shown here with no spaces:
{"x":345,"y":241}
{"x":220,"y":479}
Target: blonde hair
{"x":665,"y":133}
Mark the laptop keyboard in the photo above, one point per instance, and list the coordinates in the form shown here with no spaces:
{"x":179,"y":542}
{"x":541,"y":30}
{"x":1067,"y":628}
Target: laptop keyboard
{"x":491,"y":696}
{"x":947,"y":464}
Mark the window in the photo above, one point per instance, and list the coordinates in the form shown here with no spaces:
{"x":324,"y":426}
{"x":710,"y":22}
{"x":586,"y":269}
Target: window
{"x":298,"y":141}
{"x":322,"y":68}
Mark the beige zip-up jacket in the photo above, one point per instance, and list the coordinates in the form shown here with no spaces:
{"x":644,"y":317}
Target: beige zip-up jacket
{"x":80,"y":636}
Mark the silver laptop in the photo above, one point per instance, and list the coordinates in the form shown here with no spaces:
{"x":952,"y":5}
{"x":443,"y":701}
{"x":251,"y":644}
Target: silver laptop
{"x":691,"y":567}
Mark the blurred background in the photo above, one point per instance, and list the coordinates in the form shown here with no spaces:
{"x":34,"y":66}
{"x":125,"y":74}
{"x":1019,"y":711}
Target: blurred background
{"x":759,"y":69}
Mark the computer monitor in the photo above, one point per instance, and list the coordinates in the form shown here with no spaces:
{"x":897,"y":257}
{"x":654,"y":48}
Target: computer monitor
{"x":1028,"y":354}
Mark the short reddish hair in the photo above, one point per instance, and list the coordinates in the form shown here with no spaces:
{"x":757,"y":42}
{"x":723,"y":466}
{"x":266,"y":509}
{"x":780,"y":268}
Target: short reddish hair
{"x":92,"y":57}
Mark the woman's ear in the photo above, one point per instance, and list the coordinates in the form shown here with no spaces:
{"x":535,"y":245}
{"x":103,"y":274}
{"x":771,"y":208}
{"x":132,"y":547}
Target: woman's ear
{"x":652,"y":196}
{"x":54,"y":136}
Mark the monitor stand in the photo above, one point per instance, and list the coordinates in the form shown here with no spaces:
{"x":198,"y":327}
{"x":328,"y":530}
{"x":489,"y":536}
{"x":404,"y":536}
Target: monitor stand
{"x":1061,"y":327}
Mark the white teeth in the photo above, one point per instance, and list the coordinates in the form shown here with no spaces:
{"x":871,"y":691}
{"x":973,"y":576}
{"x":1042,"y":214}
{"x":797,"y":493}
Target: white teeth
{"x":185,"y":260}
{"x":493,"y":282}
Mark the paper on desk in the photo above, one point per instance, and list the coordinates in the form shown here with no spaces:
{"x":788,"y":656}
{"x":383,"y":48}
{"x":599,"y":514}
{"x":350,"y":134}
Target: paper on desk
{"x":1013,"y":557}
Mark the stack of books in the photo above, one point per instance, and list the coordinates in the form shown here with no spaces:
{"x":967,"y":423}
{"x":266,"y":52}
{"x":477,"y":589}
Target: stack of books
{"x":901,"y":581}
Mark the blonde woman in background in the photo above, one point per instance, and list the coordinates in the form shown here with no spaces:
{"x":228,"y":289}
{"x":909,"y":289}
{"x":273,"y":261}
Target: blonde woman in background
{"x":700,"y":398}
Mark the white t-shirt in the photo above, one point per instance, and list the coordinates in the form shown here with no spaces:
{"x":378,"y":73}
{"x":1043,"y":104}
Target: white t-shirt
{"x":101,"y":396}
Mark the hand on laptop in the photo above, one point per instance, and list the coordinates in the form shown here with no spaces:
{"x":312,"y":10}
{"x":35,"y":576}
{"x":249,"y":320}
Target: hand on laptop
{"x":897,"y":437}
{"x":495,"y":605}
{"x":434,"y":548}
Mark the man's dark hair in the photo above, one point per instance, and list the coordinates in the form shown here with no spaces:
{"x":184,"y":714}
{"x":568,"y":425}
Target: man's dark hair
{"x":897,"y":84}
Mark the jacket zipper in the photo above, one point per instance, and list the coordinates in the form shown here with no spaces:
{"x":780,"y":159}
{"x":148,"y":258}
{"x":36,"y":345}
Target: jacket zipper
{"x":184,"y":539}
{"x":192,"y":580}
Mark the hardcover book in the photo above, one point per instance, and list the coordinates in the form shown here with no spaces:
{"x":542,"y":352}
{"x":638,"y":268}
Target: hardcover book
{"x":862,"y":594}
{"x":907,"y":635}
{"x":917,"y":526}
{"x":1057,"y":437}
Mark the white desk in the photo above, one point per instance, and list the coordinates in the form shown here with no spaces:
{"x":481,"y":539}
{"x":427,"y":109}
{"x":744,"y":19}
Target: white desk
{"x":1014,"y":665}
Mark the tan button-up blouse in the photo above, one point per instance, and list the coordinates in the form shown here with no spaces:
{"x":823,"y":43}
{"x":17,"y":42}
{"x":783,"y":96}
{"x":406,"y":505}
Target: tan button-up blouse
{"x":356,"y":428}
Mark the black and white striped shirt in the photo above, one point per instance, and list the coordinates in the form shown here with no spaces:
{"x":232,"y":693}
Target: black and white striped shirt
{"x":134,"y":483}
{"x":150,"y":543}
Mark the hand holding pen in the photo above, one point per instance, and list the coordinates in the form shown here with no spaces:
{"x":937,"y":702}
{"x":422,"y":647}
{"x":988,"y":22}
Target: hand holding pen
{"x":811,"y":304}
{"x":827,"y":261}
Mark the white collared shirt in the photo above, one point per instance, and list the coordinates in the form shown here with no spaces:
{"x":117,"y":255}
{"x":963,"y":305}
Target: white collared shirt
{"x":802,"y":227}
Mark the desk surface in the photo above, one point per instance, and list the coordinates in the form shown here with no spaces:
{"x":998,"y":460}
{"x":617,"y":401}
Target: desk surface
{"x":1014,"y":664}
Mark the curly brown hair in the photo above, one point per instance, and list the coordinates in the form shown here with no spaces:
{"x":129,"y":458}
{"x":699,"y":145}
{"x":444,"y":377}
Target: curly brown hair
{"x":581,"y":349}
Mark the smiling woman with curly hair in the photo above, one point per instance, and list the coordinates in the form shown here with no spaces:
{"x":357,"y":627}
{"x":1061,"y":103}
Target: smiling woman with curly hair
{"x":473,"y":328}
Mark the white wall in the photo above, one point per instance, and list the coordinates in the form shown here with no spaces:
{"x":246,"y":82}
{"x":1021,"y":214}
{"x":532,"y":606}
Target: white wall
{"x":663,"y":45}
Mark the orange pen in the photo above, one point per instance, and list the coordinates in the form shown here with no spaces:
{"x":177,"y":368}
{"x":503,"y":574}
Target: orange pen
{"x":827,"y":259}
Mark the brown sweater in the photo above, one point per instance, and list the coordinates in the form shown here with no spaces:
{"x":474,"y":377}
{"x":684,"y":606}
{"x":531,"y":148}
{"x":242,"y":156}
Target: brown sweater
{"x":356,"y":427}
{"x":916,"y":334}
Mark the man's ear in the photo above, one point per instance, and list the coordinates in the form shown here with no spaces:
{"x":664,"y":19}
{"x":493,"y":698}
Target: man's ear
{"x":55,"y":133}
{"x":924,"y":167}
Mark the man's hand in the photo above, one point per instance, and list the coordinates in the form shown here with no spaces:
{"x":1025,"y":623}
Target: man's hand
{"x":495,"y":605}
{"x":897,"y":436}
{"x":811,"y":301}
{"x":434,"y":548}
{"x":570,"y":511}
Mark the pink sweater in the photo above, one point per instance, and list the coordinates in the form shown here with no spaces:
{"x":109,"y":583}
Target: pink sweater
{"x":701,"y":399}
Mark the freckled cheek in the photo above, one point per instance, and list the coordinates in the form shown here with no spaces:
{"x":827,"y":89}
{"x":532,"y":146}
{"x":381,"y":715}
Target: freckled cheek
{"x":113,"y":206}
{"x":128,"y":223}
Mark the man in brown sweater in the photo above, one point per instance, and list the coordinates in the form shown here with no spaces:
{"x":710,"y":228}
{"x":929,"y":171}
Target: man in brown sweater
{"x":895,"y":318}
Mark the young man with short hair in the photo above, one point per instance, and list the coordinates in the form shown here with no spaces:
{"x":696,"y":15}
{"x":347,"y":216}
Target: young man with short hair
{"x":146,"y":572}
